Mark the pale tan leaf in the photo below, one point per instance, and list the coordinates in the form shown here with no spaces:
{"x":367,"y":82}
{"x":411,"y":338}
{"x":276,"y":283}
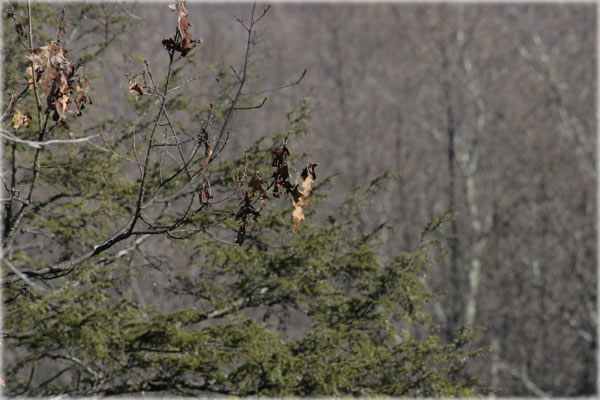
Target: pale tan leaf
{"x":207,"y":154}
{"x":19,"y":119}
{"x":306,"y":187}
{"x":297,"y":214}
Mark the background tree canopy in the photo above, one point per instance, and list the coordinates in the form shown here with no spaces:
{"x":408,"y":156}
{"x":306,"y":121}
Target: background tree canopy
{"x":195,"y":202}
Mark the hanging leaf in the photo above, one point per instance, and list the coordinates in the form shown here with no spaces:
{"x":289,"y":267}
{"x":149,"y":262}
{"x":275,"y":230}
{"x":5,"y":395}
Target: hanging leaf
{"x":281,"y":174}
{"x":202,"y":138}
{"x":256,"y":185}
{"x":182,"y":18}
{"x":19,"y":119}
{"x":279,"y":156}
{"x":82,"y":96}
{"x":308,"y":174}
{"x":297,"y":215}
{"x":61,"y":105}
{"x":204,"y":195}
{"x":51,"y":66}
{"x":301,"y":192}
{"x":186,"y":43}
{"x":136,"y":89}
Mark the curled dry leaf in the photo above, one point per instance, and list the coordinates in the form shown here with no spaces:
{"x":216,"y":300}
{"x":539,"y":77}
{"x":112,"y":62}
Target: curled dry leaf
{"x":61,"y":106}
{"x":301,"y":192}
{"x":247,"y":210}
{"x":202,"y":138}
{"x":29,"y":76}
{"x":279,"y":156}
{"x":281,"y":174}
{"x":204,"y":195}
{"x":207,"y":154}
{"x":256,"y":184}
{"x":297,"y":215}
{"x":309,"y":175}
{"x":243,"y":215}
{"x":182,"y":18}
{"x":136,"y":89}
{"x":19,"y":119}
{"x":82,"y":97}
{"x":186,"y":43}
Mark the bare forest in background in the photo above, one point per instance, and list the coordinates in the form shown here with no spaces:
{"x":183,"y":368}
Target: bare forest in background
{"x":485,"y":109}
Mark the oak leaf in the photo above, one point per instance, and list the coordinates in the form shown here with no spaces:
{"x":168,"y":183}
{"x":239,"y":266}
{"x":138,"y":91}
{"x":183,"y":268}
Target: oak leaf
{"x":51,"y":66}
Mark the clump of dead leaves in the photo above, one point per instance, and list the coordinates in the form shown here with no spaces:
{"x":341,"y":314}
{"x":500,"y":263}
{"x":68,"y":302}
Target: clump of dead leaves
{"x":56,"y":76}
{"x":298,"y":192}
{"x":20,"y":119}
{"x":137,"y":85}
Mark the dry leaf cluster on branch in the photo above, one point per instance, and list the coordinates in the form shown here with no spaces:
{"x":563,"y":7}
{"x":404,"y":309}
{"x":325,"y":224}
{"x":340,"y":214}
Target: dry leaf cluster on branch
{"x":298,"y":192}
{"x":56,"y":76}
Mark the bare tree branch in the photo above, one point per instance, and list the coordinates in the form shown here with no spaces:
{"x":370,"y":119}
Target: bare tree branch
{"x":38,"y":145}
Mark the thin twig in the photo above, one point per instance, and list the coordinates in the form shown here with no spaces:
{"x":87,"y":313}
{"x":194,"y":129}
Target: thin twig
{"x":184,"y":84}
{"x":167,"y":116}
{"x":236,"y":74}
{"x":223,"y":90}
{"x":9,"y":108}
{"x":33,"y":77}
{"x":252,"y":107}
{"x":38,"y":145}
{"x":297,"y":82}
{"x":24,"y":278}
{"x":265,"y":11}
{"x":108,"y":148}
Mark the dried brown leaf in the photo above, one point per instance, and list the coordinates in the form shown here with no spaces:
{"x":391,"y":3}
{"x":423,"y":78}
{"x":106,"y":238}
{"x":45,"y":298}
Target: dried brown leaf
{"x":204,"y":195}
{"x":279,"y":155}
{"x":309,"y":170}
{"x":187,"y":43}
{"x":136,"y":89}
{"x":61,"y":105}
{"x":301,"y":192}
{"x":207,"y":155}
{"x":297,"y":214}
{"x":182,"y":18}
{"x":19,"y":119}
{"x":256,"y":184}
{"x":51,"y":65}
{"x":307,"y":186}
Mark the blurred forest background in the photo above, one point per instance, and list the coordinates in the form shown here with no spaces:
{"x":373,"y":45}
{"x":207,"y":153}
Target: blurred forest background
{"x":488,"y":109}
